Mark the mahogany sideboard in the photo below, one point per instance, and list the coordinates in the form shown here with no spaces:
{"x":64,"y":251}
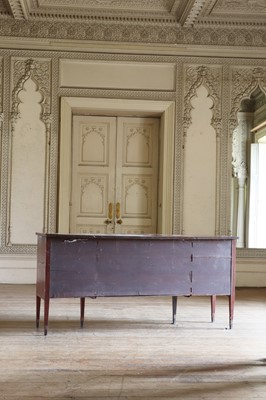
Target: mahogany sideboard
{"x":73,"y":265}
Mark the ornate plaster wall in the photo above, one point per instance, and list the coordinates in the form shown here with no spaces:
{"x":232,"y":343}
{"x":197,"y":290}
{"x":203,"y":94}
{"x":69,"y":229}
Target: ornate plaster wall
{"x":221,"y":83}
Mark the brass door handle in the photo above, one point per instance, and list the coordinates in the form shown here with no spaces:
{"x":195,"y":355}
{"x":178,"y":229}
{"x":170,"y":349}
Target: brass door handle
{"x":110,"y":214}
{"x":117,"y":211}
{"x":110,"y":211}
{"x":118,"y":214}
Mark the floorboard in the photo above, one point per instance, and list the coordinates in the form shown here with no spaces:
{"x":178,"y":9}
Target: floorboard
{"x":128,"y":348}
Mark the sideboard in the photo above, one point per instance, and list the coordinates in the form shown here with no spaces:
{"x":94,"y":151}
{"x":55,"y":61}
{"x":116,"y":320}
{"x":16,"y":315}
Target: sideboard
{"x":74,"y":265}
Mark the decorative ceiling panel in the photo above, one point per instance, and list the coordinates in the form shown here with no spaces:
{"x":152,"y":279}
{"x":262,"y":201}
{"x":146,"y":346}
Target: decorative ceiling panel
{"x":4,"y":11}
{"x":47,"y":9}
{"x":115,"y":5}
{"x":225,"y":22}
{"x":235,"y":11}
{"x":178,"y":12}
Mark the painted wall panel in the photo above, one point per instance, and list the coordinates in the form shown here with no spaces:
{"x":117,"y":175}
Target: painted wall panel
{"x":28,"y":169}
{"x":117,"y":75}
{"x":200,"y":169}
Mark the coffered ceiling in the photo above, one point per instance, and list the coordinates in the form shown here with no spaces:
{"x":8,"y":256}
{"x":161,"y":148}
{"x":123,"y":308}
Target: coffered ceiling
{"x":183,"y":12}
{"x":233,"y":22}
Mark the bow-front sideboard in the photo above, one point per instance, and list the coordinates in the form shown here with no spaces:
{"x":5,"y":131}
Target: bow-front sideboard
{"x":74,"y":265}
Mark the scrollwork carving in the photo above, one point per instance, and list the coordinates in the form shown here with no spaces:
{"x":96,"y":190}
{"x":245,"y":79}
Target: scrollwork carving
{"x":39,"y":72}
{"x":210,"y":77}
{"x":128,"y":29}
{"x":244,"y":81}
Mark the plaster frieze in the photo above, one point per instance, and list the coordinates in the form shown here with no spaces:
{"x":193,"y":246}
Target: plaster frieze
{"x":137,"y":31}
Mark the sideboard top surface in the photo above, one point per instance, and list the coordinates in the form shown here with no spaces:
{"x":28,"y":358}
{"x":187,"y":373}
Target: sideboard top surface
{"x":74,"y":236}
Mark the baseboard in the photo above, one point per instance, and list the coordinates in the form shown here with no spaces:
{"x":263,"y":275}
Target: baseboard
{"x":251,"y":272}
{"x":18,"y":269}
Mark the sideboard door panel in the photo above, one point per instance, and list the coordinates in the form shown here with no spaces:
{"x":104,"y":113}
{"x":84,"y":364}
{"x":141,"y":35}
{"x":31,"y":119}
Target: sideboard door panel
{"x":119,"y":267}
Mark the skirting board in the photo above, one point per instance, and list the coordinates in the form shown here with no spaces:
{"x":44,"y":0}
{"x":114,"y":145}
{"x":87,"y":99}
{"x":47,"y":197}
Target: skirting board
{"x":21,"y":269}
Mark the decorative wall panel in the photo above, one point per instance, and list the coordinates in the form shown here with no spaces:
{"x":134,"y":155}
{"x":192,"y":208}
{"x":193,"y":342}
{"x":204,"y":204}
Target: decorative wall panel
{"x":31,"y":76}
{"x":243,"y":81}
{"x":29,"y":151}
{"x":201,"y":129}
{"x":119,"y":75}
{"x":1,"y":131}
{"x":1,"y":113}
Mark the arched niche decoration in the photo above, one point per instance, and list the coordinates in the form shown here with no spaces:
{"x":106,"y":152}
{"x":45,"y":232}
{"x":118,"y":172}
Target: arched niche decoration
{"x":39,"y":71}
{"x":211,"y":78}
{"x":245,"y":82}
{"x":1,"y":109}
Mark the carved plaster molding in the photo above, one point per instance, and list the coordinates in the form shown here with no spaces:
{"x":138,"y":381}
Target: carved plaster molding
{"x":210,"y":77}
{"x":17,"y":9}
{"x":232,"y":12}
{"x":190,"y":15}
{"x":137,"y":32}
{"x":251,"y":253}
{"x":244,"y":81}
{"x":40,"y":73}
{"x":1,"y":85}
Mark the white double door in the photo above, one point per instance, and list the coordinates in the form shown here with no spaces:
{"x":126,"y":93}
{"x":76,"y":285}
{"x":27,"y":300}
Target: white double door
{"x":114,"y":175}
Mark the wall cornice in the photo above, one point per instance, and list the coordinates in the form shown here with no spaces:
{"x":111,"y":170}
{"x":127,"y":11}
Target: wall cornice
{"x":105,"y":47}
{"x":135,"y":32}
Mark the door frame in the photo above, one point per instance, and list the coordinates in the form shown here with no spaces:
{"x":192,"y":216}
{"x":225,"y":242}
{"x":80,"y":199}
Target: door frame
{"x":165,"y":110}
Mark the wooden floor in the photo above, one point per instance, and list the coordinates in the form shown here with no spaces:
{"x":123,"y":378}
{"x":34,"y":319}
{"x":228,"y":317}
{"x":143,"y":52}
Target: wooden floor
{"x":128,"y":349}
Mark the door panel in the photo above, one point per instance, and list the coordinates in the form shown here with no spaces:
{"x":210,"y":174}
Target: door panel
{"x":137,"y":174}
{"x":93,"y":166}
{"x":114,"y":175}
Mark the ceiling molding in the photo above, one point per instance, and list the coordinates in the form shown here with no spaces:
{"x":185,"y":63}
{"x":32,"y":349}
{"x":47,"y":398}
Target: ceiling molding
{"x":223,"y":23}
{"x":183,"y":12}
{"x":190,"y":12}
{"x":18,"y":9}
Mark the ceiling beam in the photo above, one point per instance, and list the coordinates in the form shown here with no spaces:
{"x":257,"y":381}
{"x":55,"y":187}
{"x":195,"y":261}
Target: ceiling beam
{"x":18,"y":9}
{"x":189,"y":12}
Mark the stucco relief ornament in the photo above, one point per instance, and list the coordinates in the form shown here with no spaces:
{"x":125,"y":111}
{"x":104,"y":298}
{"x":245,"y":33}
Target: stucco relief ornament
{"x":244,"y":82}
{"x":1,"y":123}
{"x":239,"y":164}
{"x":242,"y":171}
{"x":39,"y":72}
{"x":210,"y":77}
{"x":22,"y":72}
